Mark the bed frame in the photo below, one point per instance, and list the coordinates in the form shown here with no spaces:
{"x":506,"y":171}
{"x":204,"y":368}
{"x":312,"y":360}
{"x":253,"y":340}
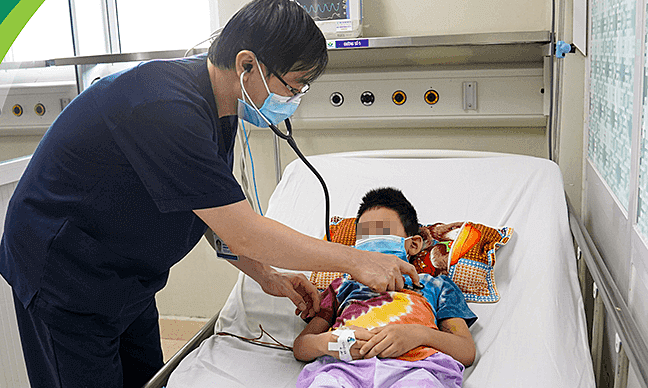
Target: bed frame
{"x":630,"y":346}
{"x":160,"y":379}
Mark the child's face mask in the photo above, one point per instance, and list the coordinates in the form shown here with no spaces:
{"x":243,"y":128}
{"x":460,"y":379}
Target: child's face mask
{"x":388,"y":244}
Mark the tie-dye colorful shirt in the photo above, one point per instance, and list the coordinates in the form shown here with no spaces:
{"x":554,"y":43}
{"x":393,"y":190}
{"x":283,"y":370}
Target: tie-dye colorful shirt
{"x":346,"y":302}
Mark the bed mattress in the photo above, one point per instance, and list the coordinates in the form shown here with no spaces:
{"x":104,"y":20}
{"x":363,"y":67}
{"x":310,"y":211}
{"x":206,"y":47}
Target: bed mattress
{"x":534,"y":336}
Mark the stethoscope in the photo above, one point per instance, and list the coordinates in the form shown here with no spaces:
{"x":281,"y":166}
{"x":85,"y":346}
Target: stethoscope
{"x":291,"y":142}
{"x":285,"y":136}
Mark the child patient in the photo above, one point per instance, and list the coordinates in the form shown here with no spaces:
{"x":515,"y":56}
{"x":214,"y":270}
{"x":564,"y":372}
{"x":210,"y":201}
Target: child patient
{"x":413,"y":337}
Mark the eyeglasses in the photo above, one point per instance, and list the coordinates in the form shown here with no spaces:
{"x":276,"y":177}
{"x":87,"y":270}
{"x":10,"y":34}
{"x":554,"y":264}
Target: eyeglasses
{"x":295,"y":92}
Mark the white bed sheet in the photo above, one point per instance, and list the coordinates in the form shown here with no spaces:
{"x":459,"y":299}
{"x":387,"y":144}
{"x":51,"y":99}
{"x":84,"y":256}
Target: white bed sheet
{"x":535,"y":336}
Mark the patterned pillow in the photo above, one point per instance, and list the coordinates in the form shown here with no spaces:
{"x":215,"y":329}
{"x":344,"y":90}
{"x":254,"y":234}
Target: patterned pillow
{"x":343,"y":231}
{"x":469,"y":247}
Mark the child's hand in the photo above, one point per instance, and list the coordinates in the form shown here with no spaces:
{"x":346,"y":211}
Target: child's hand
{"x":362,"y":335}
{"x":391,"y":341}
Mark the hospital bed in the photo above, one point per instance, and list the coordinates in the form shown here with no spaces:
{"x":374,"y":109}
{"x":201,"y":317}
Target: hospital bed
{"x":534,"y":336}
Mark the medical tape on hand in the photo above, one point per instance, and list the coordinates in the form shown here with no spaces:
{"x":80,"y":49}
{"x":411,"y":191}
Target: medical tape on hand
{"x":345,"y":339}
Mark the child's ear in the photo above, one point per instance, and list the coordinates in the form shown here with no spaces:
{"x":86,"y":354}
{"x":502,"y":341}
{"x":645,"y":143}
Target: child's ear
{"x":415,"y":245}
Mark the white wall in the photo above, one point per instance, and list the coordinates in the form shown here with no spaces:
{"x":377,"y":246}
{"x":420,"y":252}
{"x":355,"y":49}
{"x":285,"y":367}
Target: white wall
{"x":528,"y":141}
{"x":12,"y":147}
{"x":417,"y":17}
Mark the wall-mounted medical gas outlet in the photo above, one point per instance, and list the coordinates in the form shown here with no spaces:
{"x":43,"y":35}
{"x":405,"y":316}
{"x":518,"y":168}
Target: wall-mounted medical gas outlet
{"x":399,"y":97}
{"x":367,"y":98}
{"x":17,"y":110}
{"x":39,"y":109}
{"x":432,"y":98}
{"x":33,"y":107}
{"x":337,"y":99}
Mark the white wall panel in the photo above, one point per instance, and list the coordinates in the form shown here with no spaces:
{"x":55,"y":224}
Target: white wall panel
{"x":504,"y":98}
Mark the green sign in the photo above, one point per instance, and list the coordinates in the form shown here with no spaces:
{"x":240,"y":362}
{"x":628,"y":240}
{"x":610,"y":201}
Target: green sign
{"x":14,"y":14}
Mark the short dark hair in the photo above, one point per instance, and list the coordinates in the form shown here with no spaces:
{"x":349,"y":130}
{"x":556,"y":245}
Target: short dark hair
{"x":279,"y":32}
{"x":391,"y":198}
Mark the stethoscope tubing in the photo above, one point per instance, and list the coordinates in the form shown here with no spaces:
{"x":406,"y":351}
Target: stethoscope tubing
{"x":291,"y":142}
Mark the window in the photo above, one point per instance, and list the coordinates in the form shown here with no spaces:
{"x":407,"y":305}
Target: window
{"x":91,"y":30}
{"x":642,"y":206}
{"x":642,"y":202}
{"x":611,"y":92}
{"x":46,"y":35}
{"x":146,"y":25}
{"x":616,"y":169}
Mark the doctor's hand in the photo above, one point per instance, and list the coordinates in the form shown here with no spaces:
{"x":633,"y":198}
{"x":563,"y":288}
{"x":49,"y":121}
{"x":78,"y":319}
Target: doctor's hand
{"x":297,"y":288}
{"x":382,"y":272}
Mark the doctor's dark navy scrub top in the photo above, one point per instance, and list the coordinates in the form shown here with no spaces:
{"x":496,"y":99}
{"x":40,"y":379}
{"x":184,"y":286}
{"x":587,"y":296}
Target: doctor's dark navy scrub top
{"x":104,"y":208}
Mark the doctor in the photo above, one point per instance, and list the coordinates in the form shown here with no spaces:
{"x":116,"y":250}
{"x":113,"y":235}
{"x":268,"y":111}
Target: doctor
{"x":127,"y":180}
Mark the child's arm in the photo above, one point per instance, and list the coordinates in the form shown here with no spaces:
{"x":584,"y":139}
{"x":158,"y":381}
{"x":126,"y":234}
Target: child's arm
{"x":314,"y":339}
{"x":312,"y":342}
{"x":453,"y":339}
{"x":461,"y":345}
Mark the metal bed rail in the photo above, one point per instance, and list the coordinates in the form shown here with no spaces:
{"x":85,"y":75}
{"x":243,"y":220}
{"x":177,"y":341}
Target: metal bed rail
{"x":160,"y":379}
{"x":630,"y":345}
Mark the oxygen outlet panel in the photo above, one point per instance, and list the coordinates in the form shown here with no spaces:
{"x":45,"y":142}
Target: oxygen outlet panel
{"x":375,"y":98}
{"x":31,"y":109}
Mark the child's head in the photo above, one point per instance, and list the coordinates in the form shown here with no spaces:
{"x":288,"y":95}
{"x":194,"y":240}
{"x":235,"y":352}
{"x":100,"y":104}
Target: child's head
{"x":386,"y":211}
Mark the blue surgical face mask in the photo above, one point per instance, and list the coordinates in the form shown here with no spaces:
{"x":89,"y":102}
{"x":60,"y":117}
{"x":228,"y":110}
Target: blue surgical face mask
{"x":388,"y":244}
{"x":275,"y":108}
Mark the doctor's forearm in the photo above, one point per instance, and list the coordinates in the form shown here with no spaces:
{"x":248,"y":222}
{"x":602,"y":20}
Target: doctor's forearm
{"x":269,"y":242}
{"x":254,"y":269}
{"x":272,"y":243}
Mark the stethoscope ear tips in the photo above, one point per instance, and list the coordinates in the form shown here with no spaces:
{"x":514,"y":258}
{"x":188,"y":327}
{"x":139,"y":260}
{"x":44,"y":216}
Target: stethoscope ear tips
{"x":247,"y":67}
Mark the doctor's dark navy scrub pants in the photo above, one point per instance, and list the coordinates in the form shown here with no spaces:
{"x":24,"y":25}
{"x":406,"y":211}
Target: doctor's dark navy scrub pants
{"x":64,"y":350}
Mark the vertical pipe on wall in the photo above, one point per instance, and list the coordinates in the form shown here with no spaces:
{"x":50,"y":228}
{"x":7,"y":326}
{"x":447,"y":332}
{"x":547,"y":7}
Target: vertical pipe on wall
{"x":555,"y":127}
{"x":552,"y":55}
{"x":556,"y":81}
